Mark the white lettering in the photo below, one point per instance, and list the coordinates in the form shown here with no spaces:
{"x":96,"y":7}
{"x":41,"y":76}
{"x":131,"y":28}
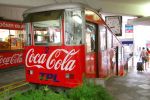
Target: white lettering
{"x":34,"y":59}
{"x":14,"y":59}
{"x":59,"y":59}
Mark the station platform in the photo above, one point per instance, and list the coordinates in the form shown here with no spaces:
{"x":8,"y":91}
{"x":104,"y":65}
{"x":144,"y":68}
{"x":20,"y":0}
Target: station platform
{"x":134,"y":86}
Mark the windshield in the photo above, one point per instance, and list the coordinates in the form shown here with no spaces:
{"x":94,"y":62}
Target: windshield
{"x":46,"y":27}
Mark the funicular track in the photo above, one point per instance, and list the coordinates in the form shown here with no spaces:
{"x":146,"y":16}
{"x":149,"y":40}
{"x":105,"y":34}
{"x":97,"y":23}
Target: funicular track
{"x":8,"y":91}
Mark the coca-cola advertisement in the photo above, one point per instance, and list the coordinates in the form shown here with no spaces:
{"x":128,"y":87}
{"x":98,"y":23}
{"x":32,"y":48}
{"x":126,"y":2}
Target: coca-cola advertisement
{"x":11,"y":25}
{"x":59,"y":66}
{"x":11,"y":59}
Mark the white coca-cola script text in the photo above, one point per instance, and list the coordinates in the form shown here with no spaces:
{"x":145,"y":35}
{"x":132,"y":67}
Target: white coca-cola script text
{"x":53,"y":61}
{"x":13,"y":59}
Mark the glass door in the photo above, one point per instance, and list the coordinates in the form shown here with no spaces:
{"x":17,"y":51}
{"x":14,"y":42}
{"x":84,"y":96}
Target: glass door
{"x":91,"y":49}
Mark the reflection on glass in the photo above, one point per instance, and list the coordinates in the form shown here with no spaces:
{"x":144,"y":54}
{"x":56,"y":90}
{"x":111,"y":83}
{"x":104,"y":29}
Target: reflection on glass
{"x":4,"y":43}
{"x":73,"y":27}
{"x":46,"y":27}
{"x":16,"y":39}
{"x":27,"y":36}
{"x":11,"y":39}
{"x":90,"y":37}
{"x":102,"y":37}
{"x":47,"y":32}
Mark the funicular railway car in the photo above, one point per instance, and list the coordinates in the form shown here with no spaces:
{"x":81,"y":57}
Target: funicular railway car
{"x":67,"y":42}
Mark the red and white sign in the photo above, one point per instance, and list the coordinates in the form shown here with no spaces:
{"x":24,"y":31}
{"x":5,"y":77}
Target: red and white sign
{"x":55,"y":65}
{"x":64,"y":64}
{"x":128,"y":28}
{"x":11,"y":25}
{"x":10,"y":59}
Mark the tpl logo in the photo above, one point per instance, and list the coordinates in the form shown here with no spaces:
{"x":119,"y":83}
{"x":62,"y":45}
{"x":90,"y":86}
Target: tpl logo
{"x":48,"y":76}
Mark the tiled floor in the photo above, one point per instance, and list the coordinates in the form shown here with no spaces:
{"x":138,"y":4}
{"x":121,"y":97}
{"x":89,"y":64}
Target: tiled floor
{"x":134,"y":86}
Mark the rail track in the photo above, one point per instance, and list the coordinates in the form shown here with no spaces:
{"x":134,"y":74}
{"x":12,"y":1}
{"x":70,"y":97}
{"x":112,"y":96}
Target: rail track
{"x":8,"y":91}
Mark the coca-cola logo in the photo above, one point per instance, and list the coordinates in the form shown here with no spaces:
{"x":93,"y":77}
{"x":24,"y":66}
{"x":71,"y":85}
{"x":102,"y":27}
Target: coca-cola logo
{"x":14,"y":59}
{"x":52,"y":61}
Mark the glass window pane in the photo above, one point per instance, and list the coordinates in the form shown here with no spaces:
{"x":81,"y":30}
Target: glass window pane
{"x":90,"y":37}
{"x":102,"y":31}
{"x":46,"y":27}
{"x":74,"y":27}
{"x":27,"y":34}
{"x":4,"y":39}
{"x":16,"y":39}
{"x":47,"y":32}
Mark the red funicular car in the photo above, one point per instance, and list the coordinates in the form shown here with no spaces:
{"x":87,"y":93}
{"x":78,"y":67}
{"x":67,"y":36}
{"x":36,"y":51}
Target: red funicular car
{"x":64,"y":43}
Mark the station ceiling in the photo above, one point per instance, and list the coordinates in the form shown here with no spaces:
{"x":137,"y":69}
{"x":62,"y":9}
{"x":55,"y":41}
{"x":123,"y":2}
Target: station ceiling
{"x":121,"y":7}
{"x":138,"y":8}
